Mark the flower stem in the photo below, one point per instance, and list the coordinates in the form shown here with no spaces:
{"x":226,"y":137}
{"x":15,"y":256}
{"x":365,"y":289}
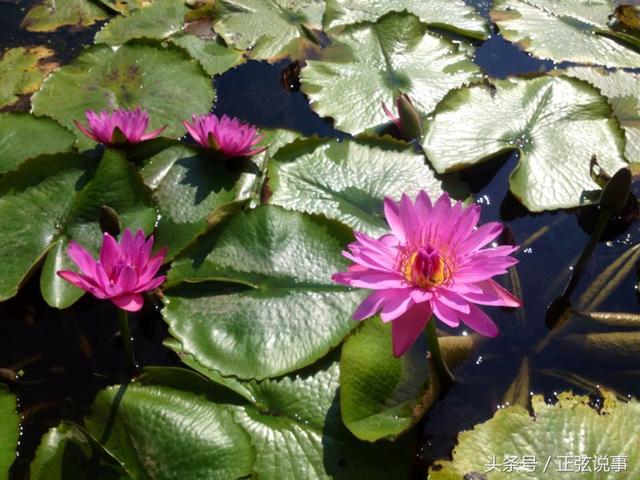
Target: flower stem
{"x":442,"y":370}
{"x":127,"y":343}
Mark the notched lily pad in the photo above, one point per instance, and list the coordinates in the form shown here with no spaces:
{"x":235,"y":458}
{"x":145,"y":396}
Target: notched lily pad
{"x":22,"y":71}
{"x":372,"y":63}
{"x":214,"y":56}
{"x":53,"y":14}
{"x":557,"y":124}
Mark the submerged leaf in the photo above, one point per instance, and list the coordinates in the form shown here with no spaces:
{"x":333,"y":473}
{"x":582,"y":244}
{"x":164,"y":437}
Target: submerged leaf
{"x":567,"y":30}
{"x":373,"y":63}
{"x":568,"y":428}
{"x":557,"y":124}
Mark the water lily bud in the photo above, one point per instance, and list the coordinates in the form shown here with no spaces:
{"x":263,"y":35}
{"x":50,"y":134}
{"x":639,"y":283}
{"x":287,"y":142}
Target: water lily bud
{"x":109,"y":221}
{"x":616,"y":193}
{"x":410,"y":120}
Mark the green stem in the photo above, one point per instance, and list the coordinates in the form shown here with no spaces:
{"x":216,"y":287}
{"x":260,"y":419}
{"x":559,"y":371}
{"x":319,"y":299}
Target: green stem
{"x":127,"y":342}
{"x":440,"y":366}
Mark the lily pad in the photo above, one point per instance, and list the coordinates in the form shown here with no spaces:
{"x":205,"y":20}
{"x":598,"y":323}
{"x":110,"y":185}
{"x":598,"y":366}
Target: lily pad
{"x":165,"y":433}
{"x":23,"y":136}
{"x":570,"y":30}
{"x":53,"y":14}
{"x":569,"y":428}
{"x":274,"y":308}
{"x":347,"y":180}
{"x":623,"y":91}
{"x":125,"y":7}
{"x":22,"y":71}
{"x":557,"y":124}
{"x":214,"y":57}
{"x":157,"y":21}
{"x":66,"y":452}
{"x":154,"y":78}
{"x":9,"y":430}
{"x":453,"y":15}
{"x":271,"y":29}
{"x":372,"y":63}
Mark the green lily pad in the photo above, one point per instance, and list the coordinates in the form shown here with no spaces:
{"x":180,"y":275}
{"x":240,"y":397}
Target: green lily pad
{"x":124,"y":7}
{"x":214,"y":57}
{"x":269,"y":28}
{"x":9,"y":430}
{"x":453,"y":15}
{"x":570,"y":30}
{"x":22,"y":71}
{"x":557,"y":124}
{"x":159,"y":20}
{"x":347,"y":180}
{"x":66,"y":452}
{"x":570,"y":428}
{"x":623,"y":91}
{"x":274,"y":308}
{"x":23,"y":136}
{"x":372,"y":63}
{"x":193,"y":192}
{"x":154,"y":78}
{"x":53,"y":14}
{"x":165,"y":433}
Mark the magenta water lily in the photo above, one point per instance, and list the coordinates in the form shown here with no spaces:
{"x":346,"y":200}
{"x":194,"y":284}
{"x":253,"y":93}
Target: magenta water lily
{"x":123,"y":271}
{"x":225,"y":135}
{"x":118,"y":127}
{"x":431,"y":263}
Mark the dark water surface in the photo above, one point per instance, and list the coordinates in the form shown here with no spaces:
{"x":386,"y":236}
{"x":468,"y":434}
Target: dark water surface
{"x":65,"y":357}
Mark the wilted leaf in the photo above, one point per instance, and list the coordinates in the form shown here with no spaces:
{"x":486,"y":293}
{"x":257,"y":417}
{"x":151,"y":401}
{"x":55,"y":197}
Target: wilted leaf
{"x":22,"y":71}
{"x":53,"y":14}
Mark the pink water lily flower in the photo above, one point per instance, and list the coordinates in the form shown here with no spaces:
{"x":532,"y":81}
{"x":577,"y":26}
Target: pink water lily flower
{"x":118,"y":127}
{"x":432,"y":263}
{"x":228,"y":136}
{"x":123,"y":272}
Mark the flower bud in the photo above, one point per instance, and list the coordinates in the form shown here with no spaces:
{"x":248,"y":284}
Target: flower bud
{"x":616,"y":193}
{"x":410,"y":120}
{"x":109,"y":221}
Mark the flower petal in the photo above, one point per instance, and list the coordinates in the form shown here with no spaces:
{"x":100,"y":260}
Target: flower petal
{"x":406,"y":329}
{"x":479,"y":321}
{"x":446,"y":315}
{"x":370,"y":305}
{"x":397,"y":303}
{"x":82,"y":258}
{"x":131,"y":302}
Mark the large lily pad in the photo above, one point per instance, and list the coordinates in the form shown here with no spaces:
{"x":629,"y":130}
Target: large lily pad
{"x":453,"y":15}
{"x":9,"y":430}
{"x":214,"y":57}
{"x":277,"y":310}
{"x":557,"y":124}
{"x":270,"y":28}
{"x":567,"y":30}
{"x":373,"y":62}
{"x":569,"y":428}
{"x":61,"y":196}
{"x":154,"y":78}
{"x":22,"y":71}
{"x":159,"y":20}
{"x":23,"y":136}
{"x":623,"y":91}
{"x":53,"y":14}
{"x":348,"y":180}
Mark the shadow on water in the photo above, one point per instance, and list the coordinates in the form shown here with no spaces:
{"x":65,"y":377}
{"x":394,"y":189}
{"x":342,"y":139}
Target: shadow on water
{"x":66,"y":357}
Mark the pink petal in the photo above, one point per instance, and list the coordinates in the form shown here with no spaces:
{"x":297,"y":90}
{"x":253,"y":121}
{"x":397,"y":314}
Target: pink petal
{"x":82,"y":258}
{"x":150,"y":285}
{"x":392,"y":214}
{"x":480,"y":322}
{"x":370,"y":279}
{"x":481,"y":236}
{"x":396,"y":305}
{"x":492,"y":294}
{"x":77,"y":280}
{"x":86,"y":131}
{"x":410,"y":220}
{"x":153,"y":134}
{"x":445,"y":314}
{"x":370,"y":305}
{"x":109,"y":253}
{"x":452,"y":300}
{"x":406,"y":329}
{"x":127,"y":280}
{"x":131,"y":302}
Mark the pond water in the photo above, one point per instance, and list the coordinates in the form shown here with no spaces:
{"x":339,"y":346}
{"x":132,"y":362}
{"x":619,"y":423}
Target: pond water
{"x":65,"y":356}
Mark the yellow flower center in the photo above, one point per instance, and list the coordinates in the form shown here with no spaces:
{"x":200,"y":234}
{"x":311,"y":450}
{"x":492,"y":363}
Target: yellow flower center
{"x":425,"y":268}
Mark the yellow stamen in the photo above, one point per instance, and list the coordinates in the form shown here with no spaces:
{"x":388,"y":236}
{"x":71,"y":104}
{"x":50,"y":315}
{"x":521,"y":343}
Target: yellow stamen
{"x":438,"y":276}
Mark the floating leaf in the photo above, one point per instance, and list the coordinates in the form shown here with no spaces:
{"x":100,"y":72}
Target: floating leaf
{"x":125,"y":7}
{"x":154,"y":78}
{"x":159,"y":20}
{"x":22,"y":71}
{"x":214,"y":57}
{"x":373,"y":63}
{"x":623,"y":91}
{"x":277,"y":310}
{"x":567,"y":30}
{"x":557,"y":124}
{"x":66,"y":452}
{"x":164,"y":433}
{"x":23,"y":136}
{"x":570,"y":427}
{"x":9,"y":430}
{"x":269,"y":28}
{"x":53,"y":14}
{"x":348,"y":180}
{"x":453,"y":15}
